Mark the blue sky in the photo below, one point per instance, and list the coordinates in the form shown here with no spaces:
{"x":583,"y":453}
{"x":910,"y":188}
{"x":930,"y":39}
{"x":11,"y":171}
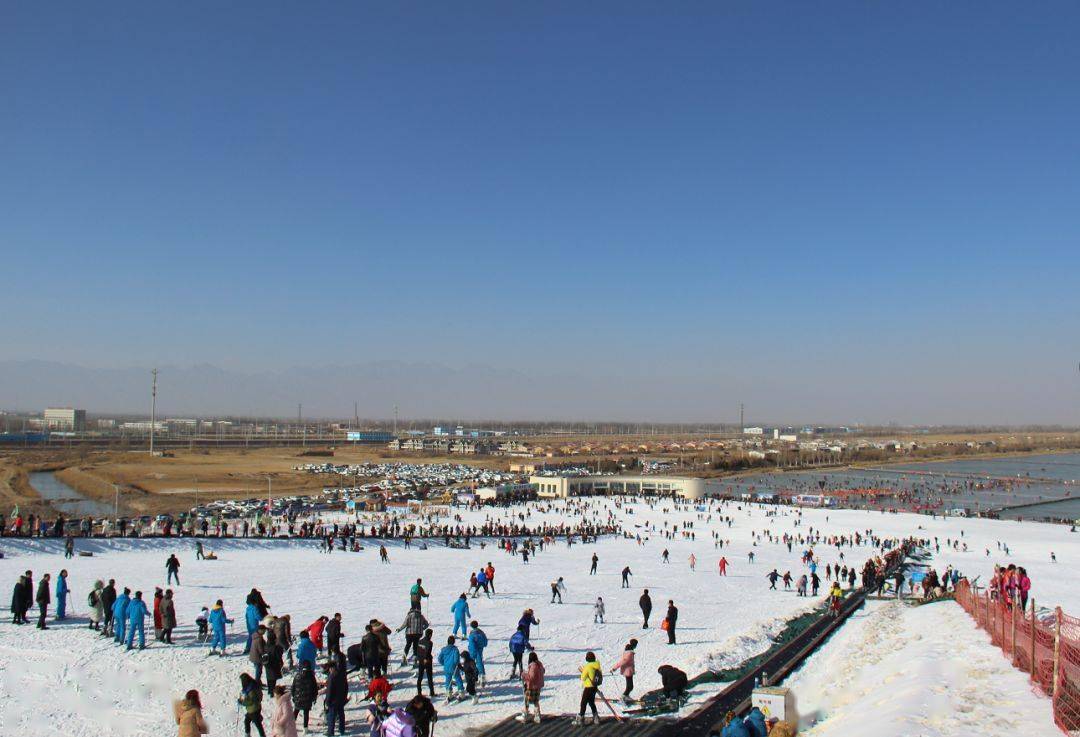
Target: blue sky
{"x":776,"y":197}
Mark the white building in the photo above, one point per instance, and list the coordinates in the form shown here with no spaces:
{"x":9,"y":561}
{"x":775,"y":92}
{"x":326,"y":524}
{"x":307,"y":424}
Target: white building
{"x":65,"y":418}
{"x":566,"y":486}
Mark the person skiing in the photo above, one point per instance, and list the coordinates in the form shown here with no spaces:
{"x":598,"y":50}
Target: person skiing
{"x":626,"y":574}
{"x":251,"y":701}
{"x":470,"y":673}
{"x":528,"y":619}
{"x":645,"y":602}
{"x":414,"y":625}
{"x":598,"y":610}
{"x":477,"y":642}
{"x":424,"y":663}
{"x":137,"y":614}
{"x":591,"y":678}
{"x":61,"y":595}
{"x":450,"y":659}
{"x":625,"y":667}
{"x":416,"y":594}
{"x":255,"y":655}
{"x":557,"y":589}
{"x":665,"y":555}
{"x":482,"y":582}
{"x":723,"y":566}
{"x":217,"y":620}
{"x":490,"y":572}
{"x":172,"y":568}
{"x":693,"y":562}
{"x":460,"y":610}
{"x":595,"y":560}
{"x":532,"y":683}
{"x":120,"y":607}
{"x":773,"y":578}
{"x":519,"y":643}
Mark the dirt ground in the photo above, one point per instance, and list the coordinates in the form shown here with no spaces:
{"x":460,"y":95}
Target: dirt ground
{"x":153,"y":485}
{"x":156,"y":485}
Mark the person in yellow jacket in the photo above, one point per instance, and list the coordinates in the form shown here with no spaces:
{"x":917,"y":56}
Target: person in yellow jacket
{"x":591,"y":677}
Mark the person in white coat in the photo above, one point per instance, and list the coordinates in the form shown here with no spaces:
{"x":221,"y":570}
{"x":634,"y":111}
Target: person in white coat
{"x":283,"y":723}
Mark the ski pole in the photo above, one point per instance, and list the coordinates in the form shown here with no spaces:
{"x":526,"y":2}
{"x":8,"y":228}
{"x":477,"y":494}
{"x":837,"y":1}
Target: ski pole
{"x":613,"y":712}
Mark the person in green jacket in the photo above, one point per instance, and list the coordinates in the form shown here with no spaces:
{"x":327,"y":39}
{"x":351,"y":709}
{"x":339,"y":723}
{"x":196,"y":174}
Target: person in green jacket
{"x":251,"y":700}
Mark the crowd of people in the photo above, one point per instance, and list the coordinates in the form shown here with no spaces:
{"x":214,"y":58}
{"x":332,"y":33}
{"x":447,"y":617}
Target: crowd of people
{"x":319,"y":665}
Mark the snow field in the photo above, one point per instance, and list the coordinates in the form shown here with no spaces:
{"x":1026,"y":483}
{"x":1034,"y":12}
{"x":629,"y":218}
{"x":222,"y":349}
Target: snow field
{"x":68,"y":679}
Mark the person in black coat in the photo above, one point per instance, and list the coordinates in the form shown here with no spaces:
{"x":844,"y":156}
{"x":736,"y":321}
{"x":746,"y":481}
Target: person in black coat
{"x":44,"y":598}
{"x":304,"y":691}
{"x":18,"y":605}
{"x":28,"y":593}
{"x":108,"y":598}
{"x":673,"y":681}
{"x":672,"y":619}
{"x":333,"y":633}
{"x":337,"y":694}
{"x":645,"y":602}
{"x":424,"y":662}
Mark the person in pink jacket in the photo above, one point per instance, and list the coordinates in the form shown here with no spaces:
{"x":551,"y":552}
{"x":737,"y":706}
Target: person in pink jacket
{"x":1023,"y":584}
{"x":283,"y":723}
{"x":625,"y":667}
{"x":533,"y":680}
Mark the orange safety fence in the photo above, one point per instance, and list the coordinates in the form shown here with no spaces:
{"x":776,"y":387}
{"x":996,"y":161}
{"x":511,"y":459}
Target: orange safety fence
{"x":1045,"y":647}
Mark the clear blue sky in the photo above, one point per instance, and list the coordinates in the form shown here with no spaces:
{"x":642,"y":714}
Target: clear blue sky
{"x":775,"y":196}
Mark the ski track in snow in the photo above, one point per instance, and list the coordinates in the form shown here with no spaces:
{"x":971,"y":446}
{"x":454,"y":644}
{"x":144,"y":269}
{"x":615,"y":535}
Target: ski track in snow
{"x":67,"y":680}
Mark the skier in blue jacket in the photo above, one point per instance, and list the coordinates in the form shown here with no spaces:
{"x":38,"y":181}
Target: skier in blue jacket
{"x":136,"y":613}
{"x":460,"y":610}
{"x":61,"y":594}
{"x":519,"y":643}
{"x":218,"y":619}
{"x":251,"y":618}
{"x":305,"y":649}
{"x":477,"y":642}
{"x":119,"y":612}
{"x":755,"y":723}
{"x":450,"y":659}
{"x":735,"y":727}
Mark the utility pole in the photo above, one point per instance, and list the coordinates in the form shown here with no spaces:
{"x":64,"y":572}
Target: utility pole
{"x":153,"y":410}
{"x":395,"y":419}
{"x":356,"y":415}
{"x":300,"y":422}
{"x":742,"y":421}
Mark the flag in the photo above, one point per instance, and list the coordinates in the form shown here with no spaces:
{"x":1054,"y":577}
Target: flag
{"x":15,"y":512}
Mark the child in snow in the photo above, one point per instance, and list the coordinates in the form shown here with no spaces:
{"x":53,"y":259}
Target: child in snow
{"x":598,"y":610}
{"x":468,"y":669}
{"x":533,"y":682}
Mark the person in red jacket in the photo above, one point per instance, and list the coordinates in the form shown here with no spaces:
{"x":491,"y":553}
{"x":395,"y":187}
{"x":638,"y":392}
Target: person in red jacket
{"x":379,"y":685}
{"x":315,"y":632}
{"x":158,"y":625}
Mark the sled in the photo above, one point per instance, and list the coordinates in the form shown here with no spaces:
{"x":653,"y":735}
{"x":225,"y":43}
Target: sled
{"x":85,"y":554}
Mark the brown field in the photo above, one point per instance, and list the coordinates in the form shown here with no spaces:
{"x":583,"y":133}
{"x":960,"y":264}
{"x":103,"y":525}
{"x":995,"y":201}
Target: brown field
{"x":151,"y":485}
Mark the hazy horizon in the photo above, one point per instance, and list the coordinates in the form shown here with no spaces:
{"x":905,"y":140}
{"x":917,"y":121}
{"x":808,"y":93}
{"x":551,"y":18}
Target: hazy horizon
{"x":852,"y":213}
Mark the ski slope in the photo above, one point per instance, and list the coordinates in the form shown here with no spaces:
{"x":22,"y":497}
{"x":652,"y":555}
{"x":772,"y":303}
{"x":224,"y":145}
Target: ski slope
{"x":68,"y":679}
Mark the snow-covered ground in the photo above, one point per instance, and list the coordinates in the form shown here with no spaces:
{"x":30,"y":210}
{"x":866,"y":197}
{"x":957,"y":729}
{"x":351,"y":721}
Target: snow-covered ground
{"x":68,"y":680}
{"x":927,"y":671}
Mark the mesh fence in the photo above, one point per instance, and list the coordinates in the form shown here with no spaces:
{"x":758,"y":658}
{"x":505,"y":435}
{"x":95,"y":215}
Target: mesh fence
{"x":1046,"y":647}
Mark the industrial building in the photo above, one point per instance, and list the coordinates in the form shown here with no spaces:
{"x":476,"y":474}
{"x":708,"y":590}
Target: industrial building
{"x":566,"y":486}
{"x":65,"y":419}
